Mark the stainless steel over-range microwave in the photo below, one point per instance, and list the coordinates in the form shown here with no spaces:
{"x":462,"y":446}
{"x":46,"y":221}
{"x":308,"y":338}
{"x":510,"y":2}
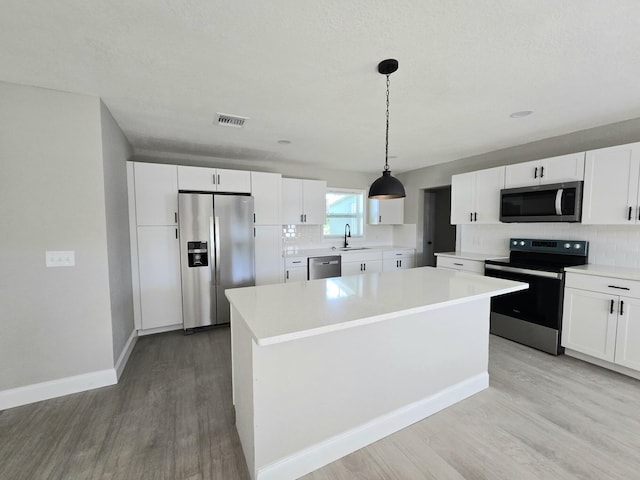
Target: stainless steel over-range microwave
{"x":558,"y":202}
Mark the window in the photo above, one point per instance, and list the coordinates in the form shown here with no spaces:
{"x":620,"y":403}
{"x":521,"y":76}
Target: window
{"x":344,"y":206}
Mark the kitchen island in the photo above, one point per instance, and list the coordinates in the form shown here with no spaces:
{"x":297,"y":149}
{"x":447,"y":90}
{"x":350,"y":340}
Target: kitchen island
{"x":325,"y":367}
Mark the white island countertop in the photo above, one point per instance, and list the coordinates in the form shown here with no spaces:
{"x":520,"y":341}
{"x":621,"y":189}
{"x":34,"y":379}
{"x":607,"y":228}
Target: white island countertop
{"x":283,"y":312}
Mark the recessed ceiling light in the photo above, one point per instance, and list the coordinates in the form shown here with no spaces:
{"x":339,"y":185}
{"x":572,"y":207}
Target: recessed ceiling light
{"x":284,"y":142}
{"x":523,"y":113}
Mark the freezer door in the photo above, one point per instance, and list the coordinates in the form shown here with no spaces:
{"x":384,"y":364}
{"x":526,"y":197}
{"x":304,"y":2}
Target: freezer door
{"x":196,"y":259}
{"x":234,"y":248}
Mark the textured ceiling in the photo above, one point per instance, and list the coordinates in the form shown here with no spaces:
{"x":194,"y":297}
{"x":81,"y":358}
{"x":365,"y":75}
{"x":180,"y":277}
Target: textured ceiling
{"x":305,"y":71}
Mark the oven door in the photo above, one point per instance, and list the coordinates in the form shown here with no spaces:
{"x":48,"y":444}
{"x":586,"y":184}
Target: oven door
{"x":541,"y":303}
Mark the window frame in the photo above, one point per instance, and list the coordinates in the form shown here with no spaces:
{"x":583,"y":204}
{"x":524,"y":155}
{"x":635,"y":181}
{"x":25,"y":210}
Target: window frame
{"x":362,"y":214}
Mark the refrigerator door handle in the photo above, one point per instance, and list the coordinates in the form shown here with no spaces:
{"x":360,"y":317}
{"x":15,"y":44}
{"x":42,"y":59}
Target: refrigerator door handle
{"x":216,"y":248}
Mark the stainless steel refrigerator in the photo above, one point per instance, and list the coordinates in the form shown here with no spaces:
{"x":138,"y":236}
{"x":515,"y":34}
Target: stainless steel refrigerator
{"x":216,"y":253}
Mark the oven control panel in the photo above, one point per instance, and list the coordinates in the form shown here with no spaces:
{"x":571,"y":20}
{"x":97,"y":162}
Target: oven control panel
{"x":572,"y":247}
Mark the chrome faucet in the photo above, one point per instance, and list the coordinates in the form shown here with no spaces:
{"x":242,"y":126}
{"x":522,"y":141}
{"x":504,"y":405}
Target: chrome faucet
{"x":346,"y":227}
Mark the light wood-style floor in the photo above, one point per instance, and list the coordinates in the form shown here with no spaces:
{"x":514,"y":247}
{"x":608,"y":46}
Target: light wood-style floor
{"x":171,"y":417}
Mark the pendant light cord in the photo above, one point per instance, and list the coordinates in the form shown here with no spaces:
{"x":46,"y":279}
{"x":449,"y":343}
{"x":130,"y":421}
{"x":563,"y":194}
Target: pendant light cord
{"x":386,"y":143}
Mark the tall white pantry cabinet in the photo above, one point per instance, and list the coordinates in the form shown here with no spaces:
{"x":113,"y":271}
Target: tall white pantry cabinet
{"x":155,"y":246}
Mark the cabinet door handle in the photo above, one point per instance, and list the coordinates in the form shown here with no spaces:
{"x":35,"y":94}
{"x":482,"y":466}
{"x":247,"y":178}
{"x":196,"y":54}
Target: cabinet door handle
{"x":380,"y":219}
{"x":254,"y":218}
{"x":400,"y":263}
{"x":297,"y":261}
{"x":301,"y":218}
{"x":176,"y":233}
{"x":214,"y":178}
{"x":541,"y":172}
{"x":611,"y":308}
{"x":365,"y":266}
{"x":397,"y":266}
{"x":638,"y":207}
{"x":475,"y":216}
{"x":471,"y":216}
{"x":619,"y":288}
{"x":621,"y":307}
{"x":629,"y":216}
{"x":175,"y":217}
{"x":288,"y":276}
{"x":254,"y":232}
{"x":535,"y":173}
{"x":459,"y":264}
{"x":305,"y":218}
{"x":218,"y":179}
{"x":360,"y":267}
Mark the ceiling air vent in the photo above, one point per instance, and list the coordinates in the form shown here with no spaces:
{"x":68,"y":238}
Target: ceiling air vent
{"x":230,"y":120}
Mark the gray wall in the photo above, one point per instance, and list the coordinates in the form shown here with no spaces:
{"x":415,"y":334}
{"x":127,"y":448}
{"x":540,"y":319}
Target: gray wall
{"x":55,"y":322}
{"x":115,"y":152}
{"x":416,"y":181}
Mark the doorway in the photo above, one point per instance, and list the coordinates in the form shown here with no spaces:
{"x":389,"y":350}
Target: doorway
{"x":438,"y":235}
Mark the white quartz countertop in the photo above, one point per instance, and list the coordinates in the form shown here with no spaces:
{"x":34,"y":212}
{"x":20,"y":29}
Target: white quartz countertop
{"x":315,"y":252}
{"x":288,"y":311}
{"x":606,"y":271}
{"x":472,"y":256}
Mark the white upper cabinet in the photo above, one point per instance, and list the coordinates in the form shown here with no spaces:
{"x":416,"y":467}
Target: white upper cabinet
{"x":386,"y":212}
{"x":214,"y":179}
{"x":565,"y":168}
{"x":266,"y":189}
{"x":303,"y":201}
{"x":156,"y":194}
{"x":611,"y":185}
{"x":475,"y":196}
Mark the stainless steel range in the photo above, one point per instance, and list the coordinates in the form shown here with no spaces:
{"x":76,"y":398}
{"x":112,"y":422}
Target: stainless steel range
{"x":534,"y":317}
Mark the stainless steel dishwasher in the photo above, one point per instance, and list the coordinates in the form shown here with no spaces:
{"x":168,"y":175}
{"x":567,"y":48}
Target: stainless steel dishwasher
{"x":324,"y":267}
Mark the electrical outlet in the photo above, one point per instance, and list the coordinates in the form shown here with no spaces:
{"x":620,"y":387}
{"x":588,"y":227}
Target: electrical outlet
{"x":60,"y":259}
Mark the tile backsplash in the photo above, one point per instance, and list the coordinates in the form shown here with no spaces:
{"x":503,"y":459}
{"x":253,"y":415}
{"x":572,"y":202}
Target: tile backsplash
{"x":614,"y":245}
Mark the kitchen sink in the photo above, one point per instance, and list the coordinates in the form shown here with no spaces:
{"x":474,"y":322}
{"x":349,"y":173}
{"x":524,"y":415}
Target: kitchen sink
{"x":346,"y":249}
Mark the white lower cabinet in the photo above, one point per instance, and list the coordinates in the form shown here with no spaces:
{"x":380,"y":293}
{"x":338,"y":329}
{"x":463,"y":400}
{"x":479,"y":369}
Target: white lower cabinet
{"x":159,"y":269}
{"x":366,"y":266}
{"x":354,"y":263}
{"x":397,"y":259}
{"x":599,"y":322}
{"x":460,"y":264}
{"x":268,"y":254}
{"x":295,"y":269}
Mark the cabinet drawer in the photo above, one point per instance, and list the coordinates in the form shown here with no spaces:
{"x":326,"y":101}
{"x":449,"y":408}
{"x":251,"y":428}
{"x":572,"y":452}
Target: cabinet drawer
{"x":609,"y":285}
{"x":291,"y":262}
{"x":361,"y":256}
{"x":474,"y":266}
{"x":397,"y":253}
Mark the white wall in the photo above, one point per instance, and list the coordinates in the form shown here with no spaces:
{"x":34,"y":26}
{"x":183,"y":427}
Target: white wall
{"x":115,"y":152}
{"x":416,"y":181}
{"x":55,"y":322}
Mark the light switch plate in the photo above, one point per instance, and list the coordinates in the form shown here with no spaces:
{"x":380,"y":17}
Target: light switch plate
{"x":60,"y":259}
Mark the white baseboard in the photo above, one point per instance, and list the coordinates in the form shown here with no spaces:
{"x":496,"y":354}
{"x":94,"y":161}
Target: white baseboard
{"x":126,"y":353}
{"x":151,"y":331}
{"x":603,"y":363}
{"x":56,"y":388}
{"x":323,"y":453}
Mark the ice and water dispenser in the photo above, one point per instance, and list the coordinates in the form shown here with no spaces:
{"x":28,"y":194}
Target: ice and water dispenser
{"x":198,"y":254}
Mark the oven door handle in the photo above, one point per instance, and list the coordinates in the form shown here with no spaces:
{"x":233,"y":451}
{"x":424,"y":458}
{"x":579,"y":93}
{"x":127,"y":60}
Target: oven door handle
{"x":559,"y":201}
{"x":525,"y":271}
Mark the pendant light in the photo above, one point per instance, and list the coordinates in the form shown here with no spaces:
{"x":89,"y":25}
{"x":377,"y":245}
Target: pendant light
{"x":387,"y":186}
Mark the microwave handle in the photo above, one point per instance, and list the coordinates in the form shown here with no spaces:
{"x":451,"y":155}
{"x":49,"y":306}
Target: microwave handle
{"x":559,"y":201}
